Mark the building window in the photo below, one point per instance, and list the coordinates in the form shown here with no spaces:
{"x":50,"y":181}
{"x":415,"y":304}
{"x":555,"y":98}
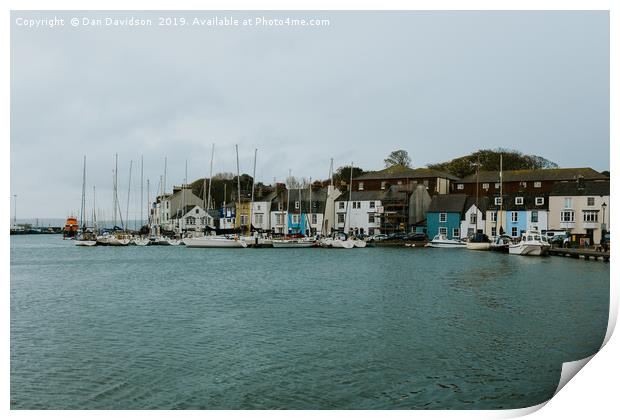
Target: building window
{"x":426,"y":183}
{"x":295,"y":219}
{"x":244,"y":219}
{"x":493,"y":231}
{"x":400,"y":182}
{"x":360,"y":186}
{"x":314,"y":218}
{"x":590,"y":216}
{"x":518,"y":200}
{"x":514,"y":216}
{"x":534,"y":216}
{"x":456,"y":233}
{"x":494,"y":216}
{"x":279,"y":218}
{"x":590,"y":201}
{"x":443,"y":231}
{"x":498,"y":201}
{"x":567,"y":216}
{"x":523,"y":184}
{"x":371,"y":218}
{"x":568,"y":203}
{"x":359,"y":205}
{"x":258,"y":207}
{"x":341,"y":205}
{"x":197,"y":211}
{"x":190,"y":220}
{"x":540,"y":201}
{"x":443,"y":217}
{"x":460,"y":186}
{"x":340,"y":217}
{"x":258,"y":219}
{"x":296,"y":205}
{"x":485,"y":186}
{"x":514,"y":231}
{"x":537,"y":184}
{"x":497,"y":185}
{"x":382,"y":185}
{"x":371,"y":205}
{"x":472,"y":218}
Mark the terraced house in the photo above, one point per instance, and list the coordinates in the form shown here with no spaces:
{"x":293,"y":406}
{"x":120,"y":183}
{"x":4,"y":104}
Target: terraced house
{"x":581,"y":208}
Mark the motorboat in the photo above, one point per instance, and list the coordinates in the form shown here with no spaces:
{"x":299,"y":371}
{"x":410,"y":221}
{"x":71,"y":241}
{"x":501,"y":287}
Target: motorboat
{"x":501,"y":243}
{"x":358,"y":243}
{"x":479,"y":242}
{"x":293,"y":243}
{"x":215,"y":242}
{"x":85,"y":242}
{"x":442,"y":241}
{"x":531,"y":243}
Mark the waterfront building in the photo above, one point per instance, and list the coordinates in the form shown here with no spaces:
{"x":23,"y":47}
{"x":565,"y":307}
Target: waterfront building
{"x":227,"y":216}
{"x":261,"y":211}
{"x":168,"y":205}
{"x":525,"y":181}
{"x":518,"y":213}
{"x":474,"y":219}
{"x":436,"y":182}
{"x":362,"y":215}
{"x":581,"y":208}
{"x":191,"y":219}
{"x":329,"y":213}
{"x":444,"y":215}
{"x":279,"y":212}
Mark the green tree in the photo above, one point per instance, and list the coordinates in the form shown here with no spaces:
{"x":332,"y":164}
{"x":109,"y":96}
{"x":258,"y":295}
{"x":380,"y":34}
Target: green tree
{"x":398,"y":157}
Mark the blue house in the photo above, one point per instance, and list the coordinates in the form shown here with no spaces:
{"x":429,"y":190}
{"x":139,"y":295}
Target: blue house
{"x":444,"y":215}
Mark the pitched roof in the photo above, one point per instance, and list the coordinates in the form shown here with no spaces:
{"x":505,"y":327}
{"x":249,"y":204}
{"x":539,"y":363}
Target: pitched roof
{"x":483,"y":203}
{"x":557,"y":174}
{"x":448,"y":203}
{"x":361,"y":196}
{"x":584,"y":188}
{"x":400,"y":171}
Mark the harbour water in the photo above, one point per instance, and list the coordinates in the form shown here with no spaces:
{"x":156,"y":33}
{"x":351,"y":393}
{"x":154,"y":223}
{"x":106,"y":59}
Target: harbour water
{"x":373,"y":328}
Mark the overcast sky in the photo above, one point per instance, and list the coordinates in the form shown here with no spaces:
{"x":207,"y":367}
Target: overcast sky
{"x":437,"y":84}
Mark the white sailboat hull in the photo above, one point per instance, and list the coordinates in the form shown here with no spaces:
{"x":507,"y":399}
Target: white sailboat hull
{"x":339,"y":243}
{"x":479,"y":246}
{"x":292,"y":243}
{"x":358,"y":243}
{"x":214,"y":242}
{"x":85,"y":243}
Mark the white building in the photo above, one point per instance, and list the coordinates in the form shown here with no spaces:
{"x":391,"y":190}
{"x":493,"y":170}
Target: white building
{"x":194,"y":219}
{"x":474,"y":219}
{"x":580,"y":208}
{"x":362,"y":215}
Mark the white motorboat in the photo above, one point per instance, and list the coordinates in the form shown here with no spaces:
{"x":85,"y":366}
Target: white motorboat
{"x":119,"y":240}
{"x":441,"y":241}
{"x":257,"y":241}
{"x":531,"y":243}
{"x":293,"y":243}
{"x":215,"y":242}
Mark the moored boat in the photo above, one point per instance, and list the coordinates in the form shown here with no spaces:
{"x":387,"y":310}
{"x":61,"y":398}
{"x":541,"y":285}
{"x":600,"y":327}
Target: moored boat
{"x":479,"y":242}
{"x":531,"y":243}
{"x":501,"y":243}
{"x":215,"y":242}
{"x":441,"y":241}
{"x":293,"y":243}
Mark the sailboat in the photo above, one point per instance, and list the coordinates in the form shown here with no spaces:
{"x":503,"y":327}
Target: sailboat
{"x":84,"y":238}
{"x":220,"y":241}
{"x":295,"y":242}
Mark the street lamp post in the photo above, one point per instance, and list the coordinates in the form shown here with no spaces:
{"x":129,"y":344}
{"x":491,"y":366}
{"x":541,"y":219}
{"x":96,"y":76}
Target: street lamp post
{"x":603,"y":225}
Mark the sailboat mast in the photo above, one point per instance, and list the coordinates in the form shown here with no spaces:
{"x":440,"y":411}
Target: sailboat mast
{"x":94,"y":210}
{"x":310,"y":206}
{"x":501,"y":190}
{"x":238,"y":185}
{"x":253,"y":182}
{"x":83,"y":209}
{"x":141,"y":191}
{"x":128,"y":195}
{"x":288,"y":197}
{"x":210,"y":178}
{"x":350,"y":195}
{"x":114,"y":188}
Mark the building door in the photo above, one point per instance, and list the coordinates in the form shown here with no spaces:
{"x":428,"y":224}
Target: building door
{"x":590,"y":235}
